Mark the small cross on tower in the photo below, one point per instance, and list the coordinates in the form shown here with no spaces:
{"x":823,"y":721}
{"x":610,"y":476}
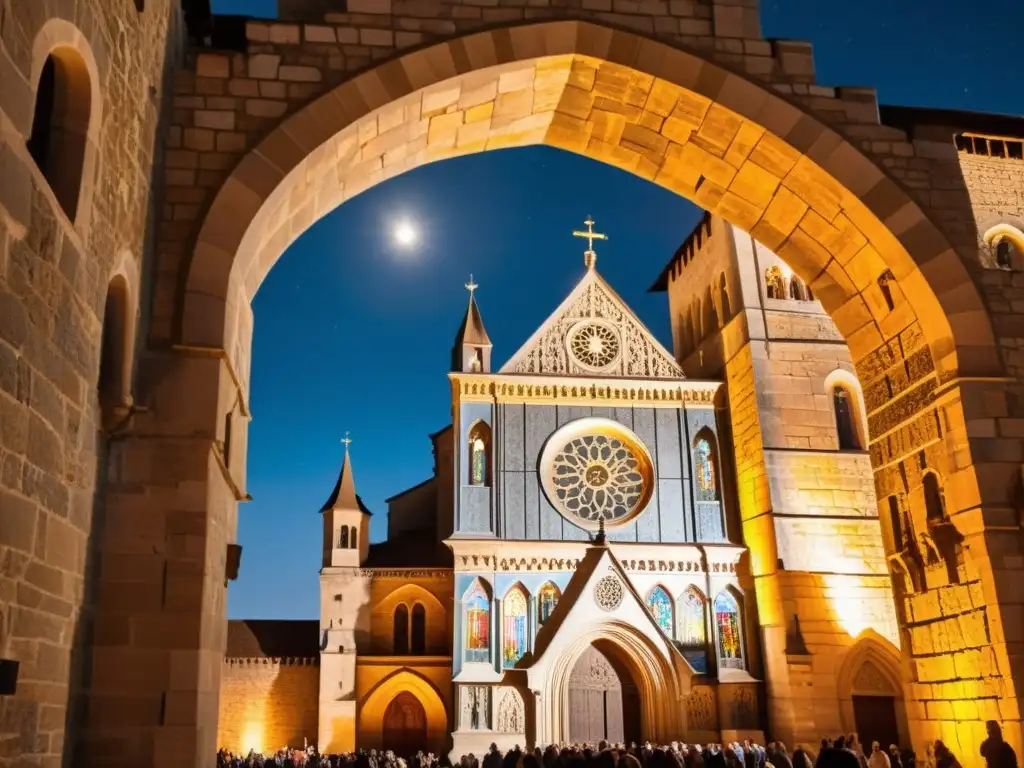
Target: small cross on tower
{"x":471,"y":286}
{"x":346,"y":441}
{"x":590,"y":256}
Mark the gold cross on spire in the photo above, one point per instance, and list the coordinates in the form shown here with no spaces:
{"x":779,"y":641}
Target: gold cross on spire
{"x":590,"y":256}
{"x":346,"y":441}
{"x":471,"y":286}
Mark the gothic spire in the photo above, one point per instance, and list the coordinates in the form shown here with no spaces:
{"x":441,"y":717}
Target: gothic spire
{"x":344,"y":494}
{"x":472,"y":349}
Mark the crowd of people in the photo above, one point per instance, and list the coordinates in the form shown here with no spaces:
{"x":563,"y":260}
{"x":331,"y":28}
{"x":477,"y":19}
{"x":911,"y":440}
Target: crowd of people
{"x":844,"y":752}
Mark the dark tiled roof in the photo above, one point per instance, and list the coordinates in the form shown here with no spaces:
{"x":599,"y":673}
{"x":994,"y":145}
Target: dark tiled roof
{"x":273,"y":638}
{"x":411,"y":549}
{"x":906,"y":118}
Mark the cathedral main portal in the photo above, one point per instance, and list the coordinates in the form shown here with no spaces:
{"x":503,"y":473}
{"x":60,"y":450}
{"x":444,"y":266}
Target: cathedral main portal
{"x":405,"y":726}
{"x":603,"y":700}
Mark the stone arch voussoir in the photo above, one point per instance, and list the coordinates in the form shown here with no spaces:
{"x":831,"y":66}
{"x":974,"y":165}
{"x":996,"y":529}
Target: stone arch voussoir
{"x":729,"y":144}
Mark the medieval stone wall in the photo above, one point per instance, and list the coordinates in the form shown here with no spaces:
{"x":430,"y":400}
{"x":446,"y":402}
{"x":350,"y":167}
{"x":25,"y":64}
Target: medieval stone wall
{"x":267,"y":704}
{"x":995,"y":186}
{"x":56,"y":267}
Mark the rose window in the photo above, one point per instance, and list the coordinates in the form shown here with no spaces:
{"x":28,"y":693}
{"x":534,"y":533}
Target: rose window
{"x":594,"y":345}
{"x":596,"y":471}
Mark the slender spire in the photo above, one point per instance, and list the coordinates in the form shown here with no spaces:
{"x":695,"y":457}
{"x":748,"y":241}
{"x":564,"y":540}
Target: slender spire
{"x":590,"y":255}
{"x":344,"y":494}
{"x":472,"y":349}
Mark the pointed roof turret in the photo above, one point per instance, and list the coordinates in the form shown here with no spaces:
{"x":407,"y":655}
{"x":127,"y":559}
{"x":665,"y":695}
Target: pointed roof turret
{"x":344,"y":494}
{"x":472,"y":348}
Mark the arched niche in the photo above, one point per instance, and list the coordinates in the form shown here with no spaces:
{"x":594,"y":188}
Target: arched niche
{"x":871,"y":669}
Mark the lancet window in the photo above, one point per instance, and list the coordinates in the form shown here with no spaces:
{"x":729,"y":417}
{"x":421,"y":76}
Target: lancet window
{"x":846,"y":427}
{"x":704,"y":467}
{"x":477,"y":606}
{"x":400,"y":644}
{"x":343,"y":538}
{"x":660,"y":605}
{"x":513,"y":626}
{"x":479,"y":454}
{"x":728,"y":626}
{"x":419,"y":630}
{"x":547,"y":599}
{"x":692,"y":626}
{"x":934,"y":503}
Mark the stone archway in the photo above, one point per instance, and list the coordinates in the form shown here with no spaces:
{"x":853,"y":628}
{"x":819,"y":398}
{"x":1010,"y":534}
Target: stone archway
{"x":729,"y":144}
{"x":378,"y":705}
{"x":871,"y":692}
{"x":634,"y":656}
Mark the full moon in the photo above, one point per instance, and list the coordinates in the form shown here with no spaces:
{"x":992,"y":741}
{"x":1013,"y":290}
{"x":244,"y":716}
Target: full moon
{"x":405,"y":233}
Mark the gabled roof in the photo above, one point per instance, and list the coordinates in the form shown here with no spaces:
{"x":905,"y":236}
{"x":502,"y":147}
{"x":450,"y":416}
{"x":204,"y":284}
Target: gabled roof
{"x":598,"y":562}
{"x":640,"y":354}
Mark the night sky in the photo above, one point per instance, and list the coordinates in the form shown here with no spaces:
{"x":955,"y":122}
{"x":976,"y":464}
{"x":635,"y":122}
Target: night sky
{"x":353,"y":333}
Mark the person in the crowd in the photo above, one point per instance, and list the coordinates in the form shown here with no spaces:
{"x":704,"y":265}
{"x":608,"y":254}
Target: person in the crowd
{"x":801,"y":759}
{"x":997,"y":753}
{"x":878,"y":758}
{"x":895,"y":758}
{"x":944,"y":758}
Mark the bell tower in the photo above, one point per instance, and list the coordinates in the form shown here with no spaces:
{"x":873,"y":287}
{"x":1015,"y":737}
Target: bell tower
{"x":472,"y":350}
{"x":346,"y":521}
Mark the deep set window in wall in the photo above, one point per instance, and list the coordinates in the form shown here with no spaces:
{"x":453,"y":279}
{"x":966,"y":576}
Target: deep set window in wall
{"x":728,"y":626}
{"x":477,"y":616}
{"x":513,"y":626}
{"x":480,"y":454}
{"x":409,"y":637}
{"x":846,"y":425}
{"x":705,"y":469}
{"x":60,"y":125}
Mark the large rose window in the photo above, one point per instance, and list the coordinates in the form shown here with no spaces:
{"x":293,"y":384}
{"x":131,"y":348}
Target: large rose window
{"x":594,"y":344}
{"x":596,"y":471}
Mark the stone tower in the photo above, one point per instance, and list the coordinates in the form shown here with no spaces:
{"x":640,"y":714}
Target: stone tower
{"x":344,"y":593}
{"x":472,"y":349}
{"x":804,"y":478}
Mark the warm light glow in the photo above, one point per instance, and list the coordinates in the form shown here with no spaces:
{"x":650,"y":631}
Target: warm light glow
{"x":846,"y":594}
{"x":405,"y":233}
{"x":252,"y":737}
{"x":786,"y":271}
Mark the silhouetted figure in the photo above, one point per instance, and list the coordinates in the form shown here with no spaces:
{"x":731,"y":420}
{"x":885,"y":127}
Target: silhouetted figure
{"x":997,"y":753}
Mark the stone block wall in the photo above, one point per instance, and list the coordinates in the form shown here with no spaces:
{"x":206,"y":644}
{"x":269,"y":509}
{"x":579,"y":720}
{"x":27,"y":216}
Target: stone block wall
{"x":267,"y":704}
{"x":56,"y":269}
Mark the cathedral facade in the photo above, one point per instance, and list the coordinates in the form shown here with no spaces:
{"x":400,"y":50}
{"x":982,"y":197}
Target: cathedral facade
{"x":576,"y":569}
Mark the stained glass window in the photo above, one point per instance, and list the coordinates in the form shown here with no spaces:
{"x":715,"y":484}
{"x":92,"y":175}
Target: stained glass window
{"x":660,"y":605}
{"x":513,"y":626}
{"x":692,"y":629}
{"x":707,"y":483}
{"x":727,"y":621}
{"x":479,"y":441}
{"x":478,"y":616}
{"x":547,"y":599}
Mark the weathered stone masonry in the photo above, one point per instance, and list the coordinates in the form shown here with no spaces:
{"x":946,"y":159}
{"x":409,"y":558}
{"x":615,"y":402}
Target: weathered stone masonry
{"x":690,"y":97}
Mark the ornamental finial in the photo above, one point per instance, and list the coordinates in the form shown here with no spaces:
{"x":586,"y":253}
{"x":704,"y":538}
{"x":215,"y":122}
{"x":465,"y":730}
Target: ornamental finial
{"x":346,"y":441}
{"x":590,"y":255}
{"x":471,"y":286}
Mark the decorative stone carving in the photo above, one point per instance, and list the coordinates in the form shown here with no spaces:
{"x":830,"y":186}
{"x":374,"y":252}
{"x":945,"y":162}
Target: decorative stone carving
{"x":744,"y":708}
{"x":701,"y":712}
{"x":623,"y":346}
{"x":870,"y":679}
{"x":511,"y":712}
{"x":608,"y":593}
{"x":476,"y":707}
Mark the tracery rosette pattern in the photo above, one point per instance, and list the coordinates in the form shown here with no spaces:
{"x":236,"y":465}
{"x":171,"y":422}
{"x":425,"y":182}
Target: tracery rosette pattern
{"x":598,"y":477}
{"x":595,"y":345}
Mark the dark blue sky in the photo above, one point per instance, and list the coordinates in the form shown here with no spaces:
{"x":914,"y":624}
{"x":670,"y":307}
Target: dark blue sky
{"x":353,"y":334}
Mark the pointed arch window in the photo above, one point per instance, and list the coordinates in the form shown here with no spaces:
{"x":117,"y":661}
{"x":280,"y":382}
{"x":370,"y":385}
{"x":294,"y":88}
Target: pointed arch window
{"x":796,"y":288}
{"x":660,"y":605}
{"x":480,"y":454}
{"x":1004,"y":253}
{"x":343,"y":538}
{"x":478,"y":617}
{"x":419,"y":630}
{"x":705,"y":469}
{"x":400,"y":640}
{"x":692,"y":623}
{"x":729,"y":628}
{"x":934,"y":502}
{"x":353,"y":539}
{"x":513,"y":626}
{"x":846,"y":427}
{"x":547,"y":599}
{"x":774,"y":284}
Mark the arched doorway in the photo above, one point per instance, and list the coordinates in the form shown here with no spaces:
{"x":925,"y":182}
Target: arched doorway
{"x":874,"y":707}
{"x":604,"y":702}
{"x":405,"y":725}
{"x":871,"y":693}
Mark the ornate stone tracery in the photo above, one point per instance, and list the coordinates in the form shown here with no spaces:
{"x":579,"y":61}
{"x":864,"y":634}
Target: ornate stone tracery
{"x":608,"y":592}
{"x":511,"y":712}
